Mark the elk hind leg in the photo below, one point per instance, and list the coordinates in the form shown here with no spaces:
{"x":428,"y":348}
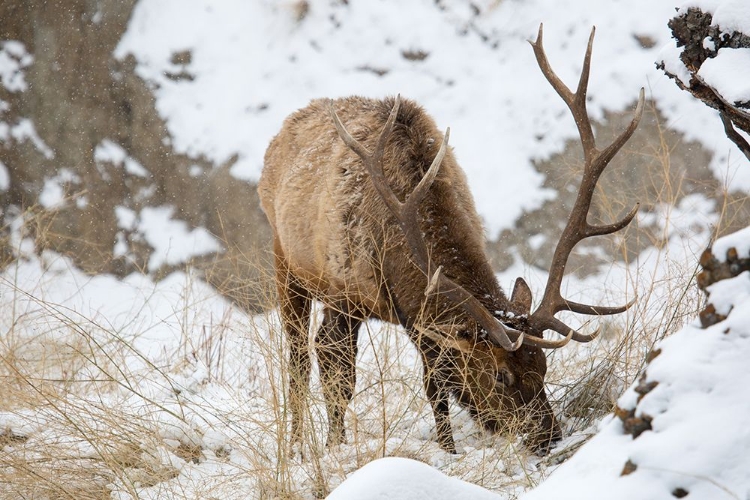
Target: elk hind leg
{"x":294,"y":305}
{"x":336,"y":347}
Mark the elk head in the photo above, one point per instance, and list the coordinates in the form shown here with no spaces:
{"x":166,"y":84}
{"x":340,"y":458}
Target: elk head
{"x":494,"y":362}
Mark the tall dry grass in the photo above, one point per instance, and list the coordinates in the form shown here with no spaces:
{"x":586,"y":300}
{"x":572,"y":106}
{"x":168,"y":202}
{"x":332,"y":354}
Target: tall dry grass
{"x":90,"y":411}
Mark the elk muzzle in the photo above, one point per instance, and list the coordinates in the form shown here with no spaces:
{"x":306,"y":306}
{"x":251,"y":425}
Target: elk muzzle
{"x":542,"y":430}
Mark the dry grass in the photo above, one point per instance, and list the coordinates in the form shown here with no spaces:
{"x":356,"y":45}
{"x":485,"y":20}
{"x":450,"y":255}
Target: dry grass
{"x":90,"y":410}
{"x":89,"y":424}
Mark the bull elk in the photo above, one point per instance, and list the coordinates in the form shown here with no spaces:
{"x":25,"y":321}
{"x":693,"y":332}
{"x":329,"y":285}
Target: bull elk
{"x":382,"y":225}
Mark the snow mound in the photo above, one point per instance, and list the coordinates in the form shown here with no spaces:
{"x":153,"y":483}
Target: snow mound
{"x":395,"y":478}
{"x":696,"y":382}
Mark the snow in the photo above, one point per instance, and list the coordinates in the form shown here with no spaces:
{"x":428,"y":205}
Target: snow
{"x":253,"y":63}
{"x":4,"y":177}
{"x":180,"y":367}
{"x":699,"y":441}
{"x":735,"y":62}
{"x":13,"y":60}
{"x":53,"y":194}
{"x":729,"y":15}
{"x":23,"y":130}
{"x":406,"y":479}
{"x":172,"y":240}
{"x":739,"y":240}
{"x":670,"y":58}
{"x":724,"y":296}
{"x":109,"y":152}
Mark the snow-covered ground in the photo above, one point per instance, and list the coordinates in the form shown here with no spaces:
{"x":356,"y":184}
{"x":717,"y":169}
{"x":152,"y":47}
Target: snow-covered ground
{"x":166,"y":390}
{"x":189,"y":389}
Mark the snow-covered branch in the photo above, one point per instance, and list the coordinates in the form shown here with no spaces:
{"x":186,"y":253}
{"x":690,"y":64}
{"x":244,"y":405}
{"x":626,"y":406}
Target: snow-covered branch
{"x":713,"y":61}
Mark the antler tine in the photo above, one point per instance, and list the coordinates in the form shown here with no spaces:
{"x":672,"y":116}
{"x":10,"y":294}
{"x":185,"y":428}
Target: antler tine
{"x":556,"y":325}
{"x":576,"y":102}
{"x":550,"y":344}
{"x":579,"y":308}
{"x":373,"y":161}
{"x":598,"y":230}
{"x":577,"y":227}
{"x":560,"y":327}
{"x":610,"y":151}
{"x":583,"y":81}
{"x":406,"y":214}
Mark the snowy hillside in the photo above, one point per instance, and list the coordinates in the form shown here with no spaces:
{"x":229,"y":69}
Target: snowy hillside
{"x":162,"y":388}
{"x":469,"y":65}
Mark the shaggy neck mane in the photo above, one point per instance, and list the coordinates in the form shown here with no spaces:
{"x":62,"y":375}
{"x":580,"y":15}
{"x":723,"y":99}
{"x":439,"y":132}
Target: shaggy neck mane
{"x":452,"y":230}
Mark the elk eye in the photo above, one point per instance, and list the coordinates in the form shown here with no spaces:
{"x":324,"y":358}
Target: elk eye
{"x":504,"y":377}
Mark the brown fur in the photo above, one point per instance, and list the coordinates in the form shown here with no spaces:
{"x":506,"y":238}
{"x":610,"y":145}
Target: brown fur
{"x":336,"y":241}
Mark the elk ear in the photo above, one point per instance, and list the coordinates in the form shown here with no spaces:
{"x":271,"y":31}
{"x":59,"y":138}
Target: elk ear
{"x":521,"y":296}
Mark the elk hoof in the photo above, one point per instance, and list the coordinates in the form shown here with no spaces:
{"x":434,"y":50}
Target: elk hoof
{"x":448,"y":446}
{"x":335,"y":438}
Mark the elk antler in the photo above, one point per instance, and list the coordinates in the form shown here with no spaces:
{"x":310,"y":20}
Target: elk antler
{"x":406,"y":214}
{"x":577,"y":228}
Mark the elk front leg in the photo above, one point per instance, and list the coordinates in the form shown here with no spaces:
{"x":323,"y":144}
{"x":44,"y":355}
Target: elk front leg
{"x":336,"y":346}
{"x":437,"y":394}
{"x":294,"y":305}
